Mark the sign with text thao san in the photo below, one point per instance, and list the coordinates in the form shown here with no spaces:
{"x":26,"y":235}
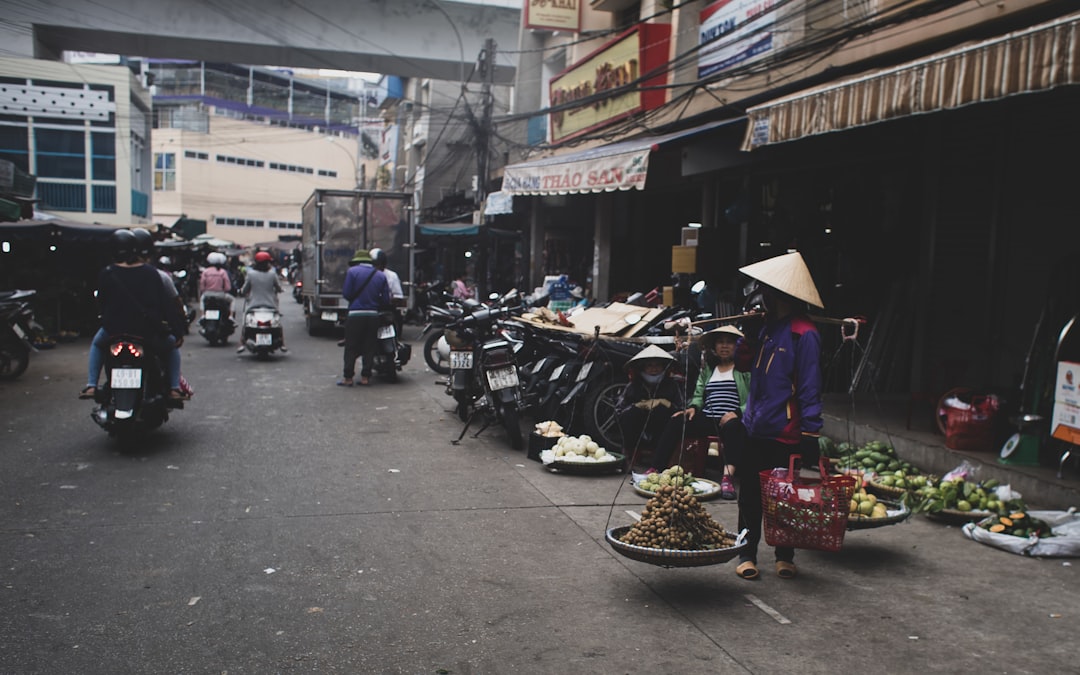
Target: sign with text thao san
{"x":554,"y":15}
{"x":624,"y":77}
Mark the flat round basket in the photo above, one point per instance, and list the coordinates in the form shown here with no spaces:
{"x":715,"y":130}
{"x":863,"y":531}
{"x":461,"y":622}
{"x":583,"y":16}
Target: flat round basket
{"x":667,"y":557}
{"x":884,"y":490}
{"x":712,"y":493}
{"x":898,"y":513}
{"x":589,"y":468}
{"x":954,"y":517}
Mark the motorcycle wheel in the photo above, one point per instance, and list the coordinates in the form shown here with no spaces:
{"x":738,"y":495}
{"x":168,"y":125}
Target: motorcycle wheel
{"x":600,"y":420}
{"x":510,"y":422}
{"x":14,"y":359}
{"x":463,"y":411}
{"x":432,"y":356}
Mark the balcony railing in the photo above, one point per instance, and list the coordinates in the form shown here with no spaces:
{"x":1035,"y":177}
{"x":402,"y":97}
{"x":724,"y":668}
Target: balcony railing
{"x":104,"y":198}
{"x":62,"y":196}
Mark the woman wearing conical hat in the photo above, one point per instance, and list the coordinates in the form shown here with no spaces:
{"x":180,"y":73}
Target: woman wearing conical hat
{"x":783,"y":410}
{"x":652,"y":394}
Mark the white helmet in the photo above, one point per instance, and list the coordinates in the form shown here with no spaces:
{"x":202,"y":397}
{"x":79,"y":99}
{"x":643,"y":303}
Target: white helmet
{"x":216,"y":258}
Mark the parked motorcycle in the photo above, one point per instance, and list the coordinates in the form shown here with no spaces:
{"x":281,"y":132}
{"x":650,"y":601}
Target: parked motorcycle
{"x":216,"y":324}
{"x":16,"y":324}
{"x":135,"y":396}
{"x":262,"y":335}
{"x":483,"y":374}
{"x":390,"y":352}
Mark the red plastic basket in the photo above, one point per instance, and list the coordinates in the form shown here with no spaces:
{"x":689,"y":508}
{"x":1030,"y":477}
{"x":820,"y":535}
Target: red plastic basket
{"x":805,"y":512}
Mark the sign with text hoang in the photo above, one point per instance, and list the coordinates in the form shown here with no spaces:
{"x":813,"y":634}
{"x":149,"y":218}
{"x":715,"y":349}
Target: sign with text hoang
{"x":555,"y":15}
{"x":626,"y":67}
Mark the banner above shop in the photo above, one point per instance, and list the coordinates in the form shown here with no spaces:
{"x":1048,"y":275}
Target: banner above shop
{"x":617,"y":166}
{"x":618,"y":67}
{"x":499,"y":204}
{"x":554,"y":15}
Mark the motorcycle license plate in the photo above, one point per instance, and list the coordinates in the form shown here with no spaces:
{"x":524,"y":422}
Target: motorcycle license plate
{"x":460,"y":360}
{"x":329,"y":316}
{"x":264,"y":339}
{"x":386,"y":332}
{"x":502,"y":378}
{"x":212,"y":315}
{"x":126,"y":378}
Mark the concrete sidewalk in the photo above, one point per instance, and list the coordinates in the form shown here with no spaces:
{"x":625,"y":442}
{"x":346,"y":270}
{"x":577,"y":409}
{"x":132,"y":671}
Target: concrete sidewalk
{"x":886,"y":419}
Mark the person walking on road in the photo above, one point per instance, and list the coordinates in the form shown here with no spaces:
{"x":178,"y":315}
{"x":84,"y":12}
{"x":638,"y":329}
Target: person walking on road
{"x":783,"y":408}
{"x":367,"y":291}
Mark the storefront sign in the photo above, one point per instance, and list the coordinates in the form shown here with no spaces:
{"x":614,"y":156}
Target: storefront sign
{"x":589,"y":174}
{"x":1065,"y":422}
{"x":558,"y":15}
{"x":617,"y":67}
{"x":732,"y":32}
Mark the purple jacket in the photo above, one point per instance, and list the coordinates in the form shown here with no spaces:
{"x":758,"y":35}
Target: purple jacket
{"x":365,"y":299}
{"x":785,"y":382}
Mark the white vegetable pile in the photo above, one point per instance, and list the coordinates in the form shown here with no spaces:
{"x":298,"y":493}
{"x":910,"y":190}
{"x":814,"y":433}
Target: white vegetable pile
{"x":582,"y":449}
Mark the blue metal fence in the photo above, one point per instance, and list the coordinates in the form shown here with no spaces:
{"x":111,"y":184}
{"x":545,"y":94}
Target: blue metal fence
{"x":140,"y":203}
{"x":62,"y":196}
{"x":104,"y":198}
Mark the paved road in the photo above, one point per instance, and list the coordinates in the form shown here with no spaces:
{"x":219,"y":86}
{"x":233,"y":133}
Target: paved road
{"x":281,"y":524}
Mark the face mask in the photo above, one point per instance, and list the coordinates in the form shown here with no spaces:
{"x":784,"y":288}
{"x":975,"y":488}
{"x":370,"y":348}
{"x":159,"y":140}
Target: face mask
{"x":652,"y":379}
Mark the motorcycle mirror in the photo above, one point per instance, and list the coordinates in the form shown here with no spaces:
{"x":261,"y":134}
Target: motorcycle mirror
{"x":698,"y":287}
{"x":494,"y":296}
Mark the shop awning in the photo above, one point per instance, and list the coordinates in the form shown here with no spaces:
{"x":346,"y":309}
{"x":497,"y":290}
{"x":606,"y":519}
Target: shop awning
{"x":618,"y":166}
{"x":1035,"y":59}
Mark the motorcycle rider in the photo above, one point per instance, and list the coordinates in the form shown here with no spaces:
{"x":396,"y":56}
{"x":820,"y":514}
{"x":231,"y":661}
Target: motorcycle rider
{"x":133,"y":299}
{"x":367,"y":291}
{"x":214,"y":281}
{"x":393,"y":281}
{"x":261,"y":288}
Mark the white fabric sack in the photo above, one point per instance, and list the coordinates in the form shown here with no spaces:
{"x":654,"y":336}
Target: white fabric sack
{"x":1064,"y":544}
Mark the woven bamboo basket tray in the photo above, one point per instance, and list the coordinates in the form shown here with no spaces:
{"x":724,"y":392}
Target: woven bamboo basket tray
{"x":955,"y":517}
{"x":855,"y":523}
{"x":884,"y":490}
{"x":589,"y":468}
{"x":712,"y":493}
{"x":667,"y":557}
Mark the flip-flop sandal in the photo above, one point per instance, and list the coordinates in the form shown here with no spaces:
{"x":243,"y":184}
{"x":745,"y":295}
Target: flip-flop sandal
{"x":344,"y":383}
{"x":747,"y":570}
{"x":786,"y":570}
{"x":88,"y":392}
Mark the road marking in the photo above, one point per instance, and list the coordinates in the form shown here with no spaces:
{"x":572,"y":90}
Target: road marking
{"x":780,"y":618}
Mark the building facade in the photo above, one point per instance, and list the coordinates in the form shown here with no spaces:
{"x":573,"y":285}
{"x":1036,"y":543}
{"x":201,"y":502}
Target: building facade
{"x":84,"y":132}
{"x":242,"y":148}
{"x":909,"y":151}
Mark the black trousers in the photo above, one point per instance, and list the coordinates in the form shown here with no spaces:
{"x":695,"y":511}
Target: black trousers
{"x":360,"y":341}
{"x":760,"y":454}
{"x":732,"y":435}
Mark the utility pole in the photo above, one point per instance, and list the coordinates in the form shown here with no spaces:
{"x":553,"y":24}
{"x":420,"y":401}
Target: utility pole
{"x":486,"y":64}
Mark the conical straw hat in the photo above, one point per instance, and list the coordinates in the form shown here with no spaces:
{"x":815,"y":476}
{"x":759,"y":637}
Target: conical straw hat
{"x":651,"y":352}
{"x":708,"y":340}
{"x":788,"y":274}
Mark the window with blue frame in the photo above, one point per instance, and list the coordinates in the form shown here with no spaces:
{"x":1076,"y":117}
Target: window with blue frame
{"x":15,"y":146}
{"x":103,"y":155}
{"x":60,"y":153}
{"x":164,"y":171}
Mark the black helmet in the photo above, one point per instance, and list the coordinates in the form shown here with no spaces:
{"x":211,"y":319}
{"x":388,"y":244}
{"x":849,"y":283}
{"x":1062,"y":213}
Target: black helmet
{"x":124,"y":246}
{"x":378,"y":257}
{"x":145,"y":241}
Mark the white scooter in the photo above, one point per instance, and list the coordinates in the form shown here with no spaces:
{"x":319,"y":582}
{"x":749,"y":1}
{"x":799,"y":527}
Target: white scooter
{"x":262,"y":334}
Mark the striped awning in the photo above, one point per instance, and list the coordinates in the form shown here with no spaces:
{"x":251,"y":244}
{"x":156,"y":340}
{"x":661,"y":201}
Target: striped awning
{"x":1038,"y":58}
